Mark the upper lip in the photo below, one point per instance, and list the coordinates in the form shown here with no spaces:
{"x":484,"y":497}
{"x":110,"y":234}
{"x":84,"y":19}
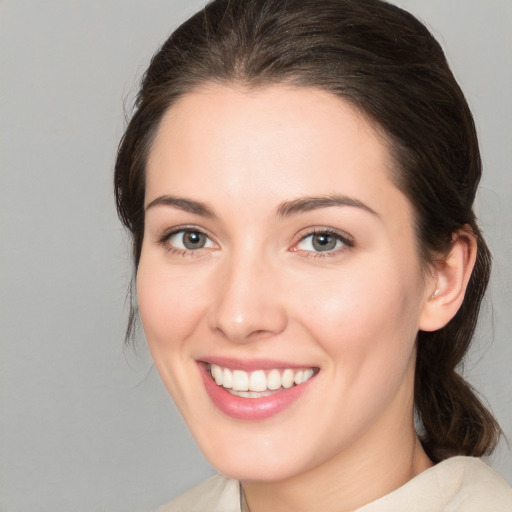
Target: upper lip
{"x":251,"y":364}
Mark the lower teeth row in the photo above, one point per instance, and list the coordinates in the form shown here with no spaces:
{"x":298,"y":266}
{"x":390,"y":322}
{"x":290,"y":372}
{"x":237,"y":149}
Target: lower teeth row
{"x":250,"y":394}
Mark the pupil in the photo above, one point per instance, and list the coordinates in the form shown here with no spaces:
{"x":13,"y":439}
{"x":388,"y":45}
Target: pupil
{"x":194,"y":240}
{"x":324,"y":242}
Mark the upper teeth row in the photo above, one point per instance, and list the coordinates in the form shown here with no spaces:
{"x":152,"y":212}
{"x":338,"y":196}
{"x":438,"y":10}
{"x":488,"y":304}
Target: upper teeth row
{"x":259,"y":380}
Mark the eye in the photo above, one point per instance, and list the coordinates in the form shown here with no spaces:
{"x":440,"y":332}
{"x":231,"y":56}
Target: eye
{"x":187,"y":240}
{"x":323,"y":241}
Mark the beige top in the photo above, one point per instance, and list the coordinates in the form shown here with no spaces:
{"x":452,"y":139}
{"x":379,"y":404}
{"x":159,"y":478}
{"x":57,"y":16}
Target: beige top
{"x":459,"y":484}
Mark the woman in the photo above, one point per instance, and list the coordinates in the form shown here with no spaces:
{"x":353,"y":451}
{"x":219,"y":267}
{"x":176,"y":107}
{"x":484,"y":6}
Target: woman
{"x":298,"y":179}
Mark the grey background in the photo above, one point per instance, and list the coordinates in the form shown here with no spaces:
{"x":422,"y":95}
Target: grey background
{"x":86,"y":425}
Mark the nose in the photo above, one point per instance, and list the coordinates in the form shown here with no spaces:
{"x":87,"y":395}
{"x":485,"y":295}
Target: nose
{"x":247,"y":303}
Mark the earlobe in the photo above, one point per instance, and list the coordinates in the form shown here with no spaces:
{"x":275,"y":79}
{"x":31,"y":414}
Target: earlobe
{"x":449,"y":282}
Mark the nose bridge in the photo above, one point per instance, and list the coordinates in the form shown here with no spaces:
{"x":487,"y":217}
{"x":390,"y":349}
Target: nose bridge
{"x":247,"y":302}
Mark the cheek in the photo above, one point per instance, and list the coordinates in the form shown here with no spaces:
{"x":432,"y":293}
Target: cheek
{"x":170,"y":309}
{"x":368,"y":317}
{"x":366,"y":326}
{"x":169,"y":304}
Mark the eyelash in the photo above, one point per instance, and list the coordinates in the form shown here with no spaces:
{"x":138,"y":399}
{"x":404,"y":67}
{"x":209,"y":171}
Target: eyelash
{"x":346,"y":241}
{"x":164,"y":240}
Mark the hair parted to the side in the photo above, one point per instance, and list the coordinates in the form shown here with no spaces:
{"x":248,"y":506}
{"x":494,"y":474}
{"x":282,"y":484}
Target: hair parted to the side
{"x":386,"y":63}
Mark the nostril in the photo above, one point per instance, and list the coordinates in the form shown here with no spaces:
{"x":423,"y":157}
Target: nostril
{"x":260,"y":333}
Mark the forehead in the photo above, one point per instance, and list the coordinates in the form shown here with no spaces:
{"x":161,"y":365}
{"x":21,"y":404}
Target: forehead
{"x":217,"y":114}
{"x":268,"y":143}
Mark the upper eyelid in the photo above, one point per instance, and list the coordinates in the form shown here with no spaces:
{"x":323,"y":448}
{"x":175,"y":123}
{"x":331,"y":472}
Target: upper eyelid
{"x":167,"y":234}
{"x":174,"y":230}
{"x":319,"y":230}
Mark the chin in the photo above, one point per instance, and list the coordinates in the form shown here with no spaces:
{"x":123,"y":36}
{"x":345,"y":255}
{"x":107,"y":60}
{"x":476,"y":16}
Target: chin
{"x":255,"y":469}
{"x":249,"y":455}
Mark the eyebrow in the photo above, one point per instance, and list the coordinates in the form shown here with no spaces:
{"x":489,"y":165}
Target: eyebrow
{"x":306,"y":204}
{"x":187,"y":205}
{"x":285,"y":209}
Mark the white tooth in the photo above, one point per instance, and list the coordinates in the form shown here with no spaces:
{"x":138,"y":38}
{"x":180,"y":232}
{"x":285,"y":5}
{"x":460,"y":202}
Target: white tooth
{"x":308,"y":374}
{"x":227,"y":378}
{"x":240,"y":380}
{"x":217,"y":374}
{"x":299,"y":377}
{"x":287,"y":378}
{"x":244,"y":394}
{"x":250,"y":394}
{"x":258,"y":381}
{"x":274,"y":380}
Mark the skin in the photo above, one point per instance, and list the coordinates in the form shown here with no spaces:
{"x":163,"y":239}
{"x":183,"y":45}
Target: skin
{"x":259,"y":289}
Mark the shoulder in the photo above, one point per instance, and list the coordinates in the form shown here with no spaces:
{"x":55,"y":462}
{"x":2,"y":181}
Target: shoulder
{"x":458,"y":484}
{"x":216,"y":494}
{"x":479,"y":488}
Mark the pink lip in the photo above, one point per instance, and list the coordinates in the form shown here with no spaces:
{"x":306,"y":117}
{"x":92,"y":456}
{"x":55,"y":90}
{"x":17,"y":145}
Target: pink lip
{"x":250,"y":409}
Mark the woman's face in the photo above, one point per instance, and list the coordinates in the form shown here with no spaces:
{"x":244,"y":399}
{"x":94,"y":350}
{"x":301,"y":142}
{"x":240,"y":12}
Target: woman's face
{"x":277,"y":249}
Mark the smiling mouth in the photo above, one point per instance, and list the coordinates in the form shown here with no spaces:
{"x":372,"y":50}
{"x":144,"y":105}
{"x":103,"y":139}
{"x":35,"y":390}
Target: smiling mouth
{"x":259,"y":383}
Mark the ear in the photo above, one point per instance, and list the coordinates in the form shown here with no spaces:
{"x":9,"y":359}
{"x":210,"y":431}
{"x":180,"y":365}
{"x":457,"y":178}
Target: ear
{"x":446,"y":289}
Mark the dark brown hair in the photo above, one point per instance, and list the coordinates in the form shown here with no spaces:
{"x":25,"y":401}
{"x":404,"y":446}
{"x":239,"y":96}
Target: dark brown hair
{"x":387,"y":64}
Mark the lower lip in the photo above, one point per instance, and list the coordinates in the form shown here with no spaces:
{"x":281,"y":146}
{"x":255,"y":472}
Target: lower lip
{"x":250,"y":409}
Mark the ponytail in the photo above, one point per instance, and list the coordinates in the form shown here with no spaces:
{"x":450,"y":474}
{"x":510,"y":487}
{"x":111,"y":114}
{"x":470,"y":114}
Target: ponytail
{"x":453,"y":419}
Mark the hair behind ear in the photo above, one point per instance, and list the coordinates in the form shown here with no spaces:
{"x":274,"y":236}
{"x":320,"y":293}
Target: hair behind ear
{"x":454,"y":420}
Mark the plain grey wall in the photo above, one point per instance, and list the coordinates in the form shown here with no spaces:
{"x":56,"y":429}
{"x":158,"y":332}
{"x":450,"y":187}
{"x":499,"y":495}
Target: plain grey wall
{"x":85,"y":425}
